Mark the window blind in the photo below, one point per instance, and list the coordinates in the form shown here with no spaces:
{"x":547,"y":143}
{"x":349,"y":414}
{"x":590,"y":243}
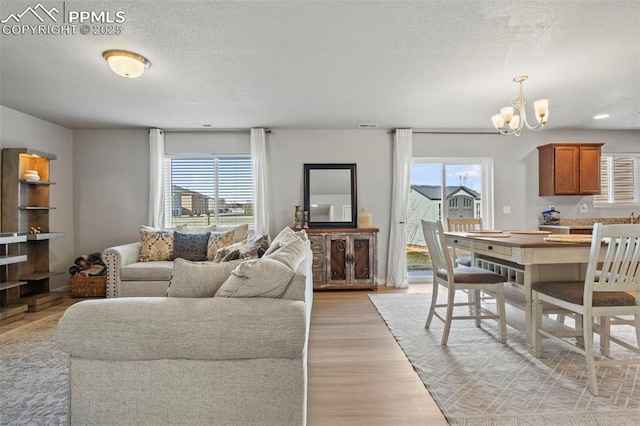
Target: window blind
{"x":209,"y":190}
{"x":619,"y":177}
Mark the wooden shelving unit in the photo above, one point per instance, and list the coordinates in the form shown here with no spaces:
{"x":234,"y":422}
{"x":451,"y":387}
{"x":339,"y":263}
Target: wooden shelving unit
{"x":10,"y":311}
{"x":25,"y":212}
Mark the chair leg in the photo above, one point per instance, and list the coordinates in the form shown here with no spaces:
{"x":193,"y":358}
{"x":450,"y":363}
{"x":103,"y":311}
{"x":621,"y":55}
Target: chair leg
{"x":432,"y":308}
{"x":580,"y":339}
{"x":500,"y":306}
{"x":637,"y":321}
{"x":536,"y":324}
{"x":587,"y":332}
{"x":477,"y":298}
{"x":447,"y":324}
{"x":605,"y":330}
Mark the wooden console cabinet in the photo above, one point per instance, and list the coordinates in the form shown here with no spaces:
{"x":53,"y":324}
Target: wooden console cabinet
{"x":569,"y":169}
{"x":344,"y":258}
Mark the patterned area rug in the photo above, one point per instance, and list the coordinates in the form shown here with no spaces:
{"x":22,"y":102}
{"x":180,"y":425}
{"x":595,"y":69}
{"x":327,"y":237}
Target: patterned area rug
{"x":33,"y":375}
{"x":475,"y":380}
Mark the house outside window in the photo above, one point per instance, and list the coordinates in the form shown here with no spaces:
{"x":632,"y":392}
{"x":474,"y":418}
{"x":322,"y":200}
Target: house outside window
{"x":202,"y":191}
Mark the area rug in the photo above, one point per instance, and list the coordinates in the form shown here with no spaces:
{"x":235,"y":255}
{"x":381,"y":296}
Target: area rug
{"x":475,"y":380}
{"x":33,"y":375}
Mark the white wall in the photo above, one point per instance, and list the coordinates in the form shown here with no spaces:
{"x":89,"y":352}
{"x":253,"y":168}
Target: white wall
{"x":111,"y":187}
{"x":18,"y":130}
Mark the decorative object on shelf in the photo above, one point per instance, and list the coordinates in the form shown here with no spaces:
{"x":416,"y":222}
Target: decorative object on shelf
{"x":31,"y":175}
{"x":306,"y":220}
{"x":34,"y":230}
{"x":298,"y":219}
{"x":126,"y":64}
{"x":508,"y":124}
{"x":365,"y":219}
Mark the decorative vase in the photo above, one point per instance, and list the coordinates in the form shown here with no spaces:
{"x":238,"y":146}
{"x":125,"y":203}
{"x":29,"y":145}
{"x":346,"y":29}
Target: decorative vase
{"x":299,"y":218}
{"x":365,"y":219}
{"x":31,"y":175}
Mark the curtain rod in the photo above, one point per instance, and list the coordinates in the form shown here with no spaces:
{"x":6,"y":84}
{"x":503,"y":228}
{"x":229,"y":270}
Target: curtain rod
{"x":267,"y":131}
{"x":444,"y":132}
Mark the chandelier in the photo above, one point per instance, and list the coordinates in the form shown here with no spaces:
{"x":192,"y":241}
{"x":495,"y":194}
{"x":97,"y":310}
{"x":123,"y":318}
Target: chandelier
{"x":509,"y":124}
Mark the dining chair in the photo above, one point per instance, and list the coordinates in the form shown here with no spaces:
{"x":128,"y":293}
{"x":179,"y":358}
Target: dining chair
{"x":463,"y":224}
{"x":612,"y":292}
{"x":454,"y":279}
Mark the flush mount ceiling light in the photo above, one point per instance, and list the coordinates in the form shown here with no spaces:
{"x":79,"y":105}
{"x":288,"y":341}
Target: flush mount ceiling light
{"x":126,"y":64}
{"x":601,"y":116}
{"x":508,"y":124}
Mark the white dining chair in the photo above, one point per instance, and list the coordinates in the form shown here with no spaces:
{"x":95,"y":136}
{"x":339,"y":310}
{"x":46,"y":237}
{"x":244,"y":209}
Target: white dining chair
{"x":612,"y":292}
{"x":463,"y":224}
{"x":454,"y":279}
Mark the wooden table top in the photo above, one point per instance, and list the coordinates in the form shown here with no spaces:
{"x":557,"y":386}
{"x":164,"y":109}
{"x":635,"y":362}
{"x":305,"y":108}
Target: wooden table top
{"x":516,"y":240}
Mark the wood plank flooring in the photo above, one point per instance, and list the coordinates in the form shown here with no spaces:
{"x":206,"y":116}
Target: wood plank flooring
{"x":358,"y":375}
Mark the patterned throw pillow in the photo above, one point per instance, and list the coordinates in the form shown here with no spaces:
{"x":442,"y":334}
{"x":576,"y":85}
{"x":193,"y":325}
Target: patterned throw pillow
{"x":190,"y":246}
{"x":156,"y":245}
{"x":217,"y":240}
{"x":241,"y":250}
{"x":240,"y":231}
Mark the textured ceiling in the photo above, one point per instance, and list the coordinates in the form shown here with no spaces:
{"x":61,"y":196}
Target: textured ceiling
{"x":439,"y":65}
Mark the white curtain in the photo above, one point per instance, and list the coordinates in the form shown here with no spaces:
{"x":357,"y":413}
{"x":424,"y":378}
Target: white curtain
{"x":156,"y":193}
{"x":397,"y":262}
{"x":261,"y":181}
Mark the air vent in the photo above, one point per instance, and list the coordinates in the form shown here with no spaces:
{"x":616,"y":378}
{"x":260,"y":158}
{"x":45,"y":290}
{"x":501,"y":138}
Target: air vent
{"x":367,"y":126}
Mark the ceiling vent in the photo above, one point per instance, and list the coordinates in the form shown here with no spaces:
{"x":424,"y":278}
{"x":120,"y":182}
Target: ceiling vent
{"x":367,"y":126}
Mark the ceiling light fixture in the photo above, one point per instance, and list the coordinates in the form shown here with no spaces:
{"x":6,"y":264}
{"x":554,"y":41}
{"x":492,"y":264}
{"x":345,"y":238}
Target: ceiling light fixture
{"x":508,"y":124}
{"x":600,"y":116}
{"x":126,"y":64}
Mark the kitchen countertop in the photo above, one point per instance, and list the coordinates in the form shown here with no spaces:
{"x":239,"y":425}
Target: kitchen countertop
{"x":586,"y":223}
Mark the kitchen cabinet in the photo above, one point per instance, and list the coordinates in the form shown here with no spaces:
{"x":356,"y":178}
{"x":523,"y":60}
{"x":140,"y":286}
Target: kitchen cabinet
{"x":569,"y":169}
{"x":556,"y":229}
{"x":25,"y":212}
{"x":344,"y":258}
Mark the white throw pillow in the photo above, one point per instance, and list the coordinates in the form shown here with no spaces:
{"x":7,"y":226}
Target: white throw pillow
{"x":291,"y":253}
{"x":284,"y":237}
{"x":197,"y":279}
{"x":257,"y":278}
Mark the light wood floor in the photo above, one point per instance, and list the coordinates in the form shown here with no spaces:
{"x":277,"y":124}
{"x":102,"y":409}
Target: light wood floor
{"x":358,"y":375}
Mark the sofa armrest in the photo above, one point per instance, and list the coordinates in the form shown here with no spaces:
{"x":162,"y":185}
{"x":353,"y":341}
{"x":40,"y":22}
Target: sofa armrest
{"x":115,"y":258}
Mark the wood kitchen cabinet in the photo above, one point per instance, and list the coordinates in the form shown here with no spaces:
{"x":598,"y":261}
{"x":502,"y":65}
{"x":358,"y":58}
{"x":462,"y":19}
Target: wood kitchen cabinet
{"x":344,"y":258}
{"x":569,"y":169}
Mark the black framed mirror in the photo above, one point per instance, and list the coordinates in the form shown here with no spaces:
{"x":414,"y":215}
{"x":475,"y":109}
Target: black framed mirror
{"x":330,"y":195}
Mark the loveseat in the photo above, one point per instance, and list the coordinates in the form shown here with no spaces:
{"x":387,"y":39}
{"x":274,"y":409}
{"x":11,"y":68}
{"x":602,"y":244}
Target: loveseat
{"x":131,"y":274}
{"x":225,"y":360}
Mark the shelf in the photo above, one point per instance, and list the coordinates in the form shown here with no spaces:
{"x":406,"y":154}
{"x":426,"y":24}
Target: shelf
{"x":40,"y":301}
{"x":36,"y":208}
{"x":38,"y":275}
{"x":9,"y":259}
{"x":11,"y":313}
{"x":45,"y":236}
{"x":12,"y":237}
{"x":11,"y":284}
{"x":36,"y":182}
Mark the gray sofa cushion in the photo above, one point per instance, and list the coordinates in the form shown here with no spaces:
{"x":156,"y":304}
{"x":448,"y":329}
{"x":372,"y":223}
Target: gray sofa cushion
{"x":257,"y":278}
{"x":147,"y":271}
{"x":138,"y":328}
{"x":196,"y":279}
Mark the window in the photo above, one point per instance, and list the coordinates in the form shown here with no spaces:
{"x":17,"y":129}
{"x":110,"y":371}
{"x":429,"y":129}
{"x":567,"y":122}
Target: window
{"x":619,"y":176}
{"x":208,"y":190}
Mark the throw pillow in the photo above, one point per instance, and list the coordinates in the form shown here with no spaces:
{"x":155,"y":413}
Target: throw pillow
{"x":190,"y":246}
{"x":240,"y":231}
{"x":259,"y":242}
{"x":284,"y":237}
{"x":290,"y":254}
{"x":257,"y":278}
{"x":241,"y":250}
{"x":155,"y":245}
{"x":217,"y":240}
{"x":192,"y":279}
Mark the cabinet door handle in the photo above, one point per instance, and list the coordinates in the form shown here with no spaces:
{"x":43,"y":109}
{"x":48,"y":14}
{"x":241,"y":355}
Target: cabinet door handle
{"x":490,"y":247}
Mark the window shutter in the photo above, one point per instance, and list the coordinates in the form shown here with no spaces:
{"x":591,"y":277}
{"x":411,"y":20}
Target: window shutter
{"x":618,"y":180}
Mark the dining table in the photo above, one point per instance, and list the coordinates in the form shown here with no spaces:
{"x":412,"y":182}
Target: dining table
{"x":525,"y":257}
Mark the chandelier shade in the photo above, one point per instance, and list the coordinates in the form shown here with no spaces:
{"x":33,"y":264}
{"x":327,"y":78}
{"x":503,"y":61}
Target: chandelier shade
{"x":507,"y":122}
{"x":126,"y":64}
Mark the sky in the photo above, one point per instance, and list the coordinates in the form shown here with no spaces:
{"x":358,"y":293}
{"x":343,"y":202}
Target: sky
{"x":469,"y":175}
